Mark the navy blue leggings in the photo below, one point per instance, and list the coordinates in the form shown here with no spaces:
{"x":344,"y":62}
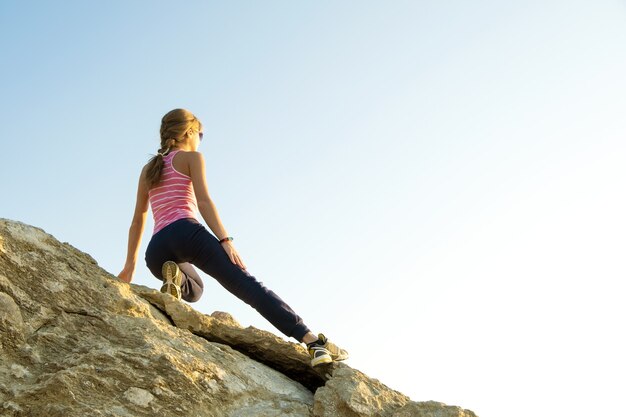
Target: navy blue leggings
{"x":186,"y":240}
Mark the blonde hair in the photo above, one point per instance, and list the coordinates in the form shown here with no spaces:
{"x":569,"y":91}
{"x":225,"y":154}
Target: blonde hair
{"x":174,"y":126}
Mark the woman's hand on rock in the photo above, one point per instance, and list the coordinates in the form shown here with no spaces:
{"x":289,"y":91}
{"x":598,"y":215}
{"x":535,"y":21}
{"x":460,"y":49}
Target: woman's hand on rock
{"x":127,"y":274}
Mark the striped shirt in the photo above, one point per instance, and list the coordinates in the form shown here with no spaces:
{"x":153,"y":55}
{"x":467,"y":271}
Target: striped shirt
{"x":173,"y":197}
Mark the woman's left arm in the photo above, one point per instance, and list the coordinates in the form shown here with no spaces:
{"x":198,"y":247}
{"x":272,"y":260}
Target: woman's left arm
{"x":136,"y":230}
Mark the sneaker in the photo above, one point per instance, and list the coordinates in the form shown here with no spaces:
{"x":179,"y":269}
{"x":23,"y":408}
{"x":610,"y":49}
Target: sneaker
{"x":319,"y":355}
{"x":336,"y":353}
{"x":173,"y":278}
{"x":324,"y":351}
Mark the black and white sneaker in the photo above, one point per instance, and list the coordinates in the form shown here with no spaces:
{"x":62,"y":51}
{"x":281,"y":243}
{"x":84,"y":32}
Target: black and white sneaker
{"x":319,"y":355}
{"x":336,"y":353}
{"x":324,"y":351}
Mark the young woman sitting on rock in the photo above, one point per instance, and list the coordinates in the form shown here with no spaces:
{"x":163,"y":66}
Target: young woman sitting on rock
{"x":173,"y":183}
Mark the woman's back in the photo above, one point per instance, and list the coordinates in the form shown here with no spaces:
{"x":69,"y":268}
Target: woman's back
{"x":173,"y":197}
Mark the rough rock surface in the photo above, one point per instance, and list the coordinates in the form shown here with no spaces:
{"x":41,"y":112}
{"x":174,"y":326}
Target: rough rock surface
{"x":431,"y":409}
{"x":76,"y":341}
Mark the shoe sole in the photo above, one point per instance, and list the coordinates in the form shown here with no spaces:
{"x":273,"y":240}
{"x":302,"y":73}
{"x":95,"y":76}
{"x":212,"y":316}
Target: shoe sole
{"x":321,"y":360}
{"x":173,"y":279}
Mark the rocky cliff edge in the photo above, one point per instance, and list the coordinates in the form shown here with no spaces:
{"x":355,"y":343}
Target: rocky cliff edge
{"x":76,"y":341}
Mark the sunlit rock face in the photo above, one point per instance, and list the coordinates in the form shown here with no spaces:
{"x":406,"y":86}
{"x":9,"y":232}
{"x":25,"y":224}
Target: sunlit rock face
{"x":76,"y":341}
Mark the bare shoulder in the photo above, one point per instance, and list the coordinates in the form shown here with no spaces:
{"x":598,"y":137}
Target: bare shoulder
{"x":194,"y":155}
{"x":188,"y":155}
{"x":143,"y":176}
{"x":144,"y":172}
{"x":194,"y":159}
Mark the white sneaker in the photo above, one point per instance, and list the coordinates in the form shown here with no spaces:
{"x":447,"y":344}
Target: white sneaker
{"x":172,"y":278}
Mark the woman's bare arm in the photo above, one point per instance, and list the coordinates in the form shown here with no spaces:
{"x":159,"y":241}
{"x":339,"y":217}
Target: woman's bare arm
{"x":135,"y":231}
{"x":205,"y":204}
{"x":207,"y":208}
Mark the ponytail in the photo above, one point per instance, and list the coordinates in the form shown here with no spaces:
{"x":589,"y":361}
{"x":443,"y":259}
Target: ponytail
{"x":174,"y":126}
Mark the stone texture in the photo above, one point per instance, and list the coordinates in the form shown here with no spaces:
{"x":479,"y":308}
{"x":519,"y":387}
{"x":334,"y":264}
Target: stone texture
{"x":11,"y":322}
{"x":351,"y":393}
{"x":431,"y":409}
{"x":76,"y":341}
{"x":290,"y":359}
{"x":79,"y":342}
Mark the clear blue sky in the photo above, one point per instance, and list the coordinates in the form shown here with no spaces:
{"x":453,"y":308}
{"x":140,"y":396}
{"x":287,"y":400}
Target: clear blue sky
{"x":437,"y":186}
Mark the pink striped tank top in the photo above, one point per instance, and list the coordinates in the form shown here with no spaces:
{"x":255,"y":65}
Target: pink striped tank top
{"x":173,"y":197}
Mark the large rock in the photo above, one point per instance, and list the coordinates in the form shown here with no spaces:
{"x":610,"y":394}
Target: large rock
{"x":76,"y":341}
{"x":290,"y":359}
{"x":431,"y":409}
{"x":351,"y":393}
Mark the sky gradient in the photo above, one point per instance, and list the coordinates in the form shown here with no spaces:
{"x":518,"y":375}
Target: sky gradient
{"x":436,"y":186}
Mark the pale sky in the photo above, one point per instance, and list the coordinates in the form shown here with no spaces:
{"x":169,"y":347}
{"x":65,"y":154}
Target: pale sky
{"x":436,"y":186}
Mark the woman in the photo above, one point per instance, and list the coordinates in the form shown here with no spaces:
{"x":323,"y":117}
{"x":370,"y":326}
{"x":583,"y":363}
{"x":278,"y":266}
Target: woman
{"x":173,"y":183}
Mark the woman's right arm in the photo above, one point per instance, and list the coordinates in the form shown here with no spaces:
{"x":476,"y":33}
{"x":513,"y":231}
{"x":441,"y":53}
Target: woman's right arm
{"x":207,"y":208}
{"x":136,"y":229}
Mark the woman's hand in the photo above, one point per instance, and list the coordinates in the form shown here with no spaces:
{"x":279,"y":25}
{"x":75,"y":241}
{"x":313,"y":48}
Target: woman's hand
{"x":127,"y":273}
{"x":232,"y":254}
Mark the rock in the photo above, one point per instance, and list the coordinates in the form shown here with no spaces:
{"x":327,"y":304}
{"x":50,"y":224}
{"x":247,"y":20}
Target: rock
{"x":225,"y":318}
{"x":86,"y":344}
{"x":431,"y":409}
{"x":76,"y":341}
{"x":11,"y":322}
{"x":18,"y":371}
{"x":138,"y":396}
{"x":288,"y":358}
{"x":350,"y":393}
